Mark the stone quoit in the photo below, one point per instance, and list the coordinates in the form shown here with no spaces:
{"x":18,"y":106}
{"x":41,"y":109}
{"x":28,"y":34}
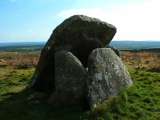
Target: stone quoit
{"x":79,"y":35}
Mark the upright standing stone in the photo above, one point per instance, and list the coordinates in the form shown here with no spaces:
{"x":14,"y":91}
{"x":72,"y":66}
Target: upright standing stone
{"x":78,"y":34}
{"x":107,"y":75}
{"x":70,"y":76}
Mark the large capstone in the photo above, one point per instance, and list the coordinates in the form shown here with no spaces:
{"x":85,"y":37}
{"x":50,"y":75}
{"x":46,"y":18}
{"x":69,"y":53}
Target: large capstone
{"x":78,"y":34}
{"x":70,"y":76}
{"x":107,"y":75}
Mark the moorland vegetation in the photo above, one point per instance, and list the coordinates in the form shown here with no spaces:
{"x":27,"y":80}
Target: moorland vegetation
{"x":140,"y":101}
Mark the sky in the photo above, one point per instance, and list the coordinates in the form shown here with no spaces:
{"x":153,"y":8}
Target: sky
{"x":34,"y":20}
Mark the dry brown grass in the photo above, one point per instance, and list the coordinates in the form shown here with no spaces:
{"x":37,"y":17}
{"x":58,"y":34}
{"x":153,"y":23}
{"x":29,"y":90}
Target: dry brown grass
{"x":141,"y":59}
{"x":147,"y":60}
{"x":19,"y":59}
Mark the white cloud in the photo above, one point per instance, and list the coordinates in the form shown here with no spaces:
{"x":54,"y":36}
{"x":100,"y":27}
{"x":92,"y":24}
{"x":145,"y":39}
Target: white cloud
{"x":136,"y":22}
{"x":93,"y":12}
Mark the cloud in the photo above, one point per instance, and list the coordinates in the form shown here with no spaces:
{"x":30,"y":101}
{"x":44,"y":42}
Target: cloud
{"x":133,"y":21}
{"x":90,"y":12}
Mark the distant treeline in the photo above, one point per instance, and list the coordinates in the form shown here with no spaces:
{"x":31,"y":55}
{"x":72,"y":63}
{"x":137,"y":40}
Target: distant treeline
{"x":121,"y":45}
{"x":21,"y":48}
{"x":135,"y":45}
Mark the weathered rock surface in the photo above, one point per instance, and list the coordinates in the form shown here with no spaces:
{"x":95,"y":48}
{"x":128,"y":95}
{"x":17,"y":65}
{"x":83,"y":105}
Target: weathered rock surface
{"x":107,"y":75}
{"x":117,"y":52}
{"x":70,"y":76}
{"x":78,"y":34}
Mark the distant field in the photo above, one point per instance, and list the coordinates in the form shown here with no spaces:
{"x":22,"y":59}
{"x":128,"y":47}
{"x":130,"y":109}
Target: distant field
{"x":148,"y":60}
{"x":141,"y":59}
{"x":121,"y":45}
{"x":19,"y":59}
{"x":135,"y":45}
{"x":21,"y":46}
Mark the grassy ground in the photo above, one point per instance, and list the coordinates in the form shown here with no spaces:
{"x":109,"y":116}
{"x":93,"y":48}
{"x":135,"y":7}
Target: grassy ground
{"x":15,"y":102}
{"x":139,"y":102}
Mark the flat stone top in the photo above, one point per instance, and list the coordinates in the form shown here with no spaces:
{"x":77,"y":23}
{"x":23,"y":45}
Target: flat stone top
{"x":86,"y":18}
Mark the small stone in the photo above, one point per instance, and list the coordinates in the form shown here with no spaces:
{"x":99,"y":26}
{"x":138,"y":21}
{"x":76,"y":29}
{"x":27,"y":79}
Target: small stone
{"x":31,"y":96}
{"x":36,"y":102}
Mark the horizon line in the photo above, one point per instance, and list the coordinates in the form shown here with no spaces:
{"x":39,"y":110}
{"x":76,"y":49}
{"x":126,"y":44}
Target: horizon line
{"x":46,"y":41}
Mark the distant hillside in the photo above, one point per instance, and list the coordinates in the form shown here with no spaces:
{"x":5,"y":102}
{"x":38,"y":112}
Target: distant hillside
{"x":22,"y":46}
{"x":135,"y":45}
{"x":121,"y":45}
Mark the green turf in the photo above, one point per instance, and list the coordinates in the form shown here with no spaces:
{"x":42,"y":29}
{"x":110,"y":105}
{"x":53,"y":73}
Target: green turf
{"x":139,"y":102}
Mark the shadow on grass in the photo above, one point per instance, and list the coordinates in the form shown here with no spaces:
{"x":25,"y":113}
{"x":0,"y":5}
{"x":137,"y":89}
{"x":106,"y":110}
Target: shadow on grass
{"x":18,"y":107}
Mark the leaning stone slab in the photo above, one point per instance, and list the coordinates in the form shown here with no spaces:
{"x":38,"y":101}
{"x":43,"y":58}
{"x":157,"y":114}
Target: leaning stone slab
{"x":78,"y":34}
{"x":70,"y":76}
{"x":107,"y":75}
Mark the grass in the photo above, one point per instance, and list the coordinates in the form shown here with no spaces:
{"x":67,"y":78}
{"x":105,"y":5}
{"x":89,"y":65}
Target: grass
{"x":143,"y":60}
{"x":141,"y":101}
{"x":19,"y":59}
{"x":15,"y":105}
{"x":13,"y":80}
